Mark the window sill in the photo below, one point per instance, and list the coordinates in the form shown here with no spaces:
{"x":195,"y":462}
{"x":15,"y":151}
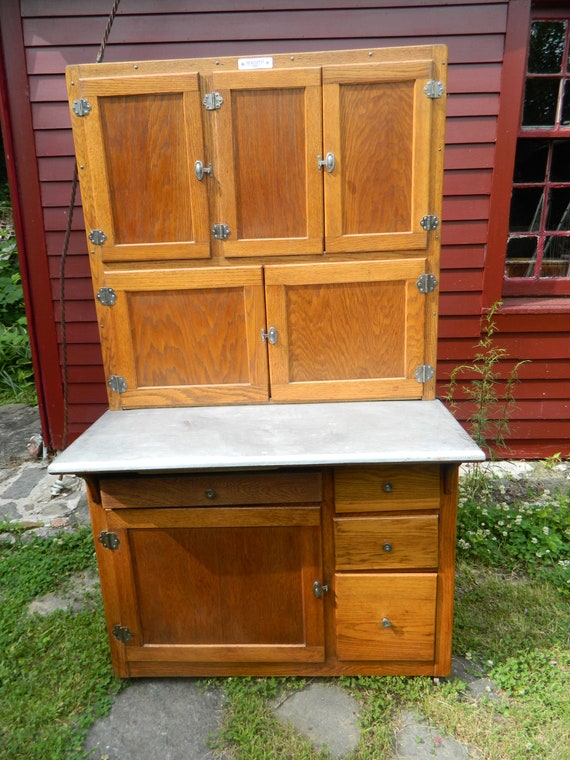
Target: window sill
{"x":535,"y":306}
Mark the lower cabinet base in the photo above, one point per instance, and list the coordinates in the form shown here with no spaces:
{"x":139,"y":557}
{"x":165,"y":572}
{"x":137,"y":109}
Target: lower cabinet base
{"x":311,"y":572}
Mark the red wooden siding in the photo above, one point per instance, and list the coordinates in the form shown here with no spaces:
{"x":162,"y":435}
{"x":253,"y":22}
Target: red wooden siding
{"x":60,"y":32}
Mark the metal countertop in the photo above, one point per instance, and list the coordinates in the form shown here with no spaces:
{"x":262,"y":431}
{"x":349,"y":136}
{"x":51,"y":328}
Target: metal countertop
{"x":268,"y":435}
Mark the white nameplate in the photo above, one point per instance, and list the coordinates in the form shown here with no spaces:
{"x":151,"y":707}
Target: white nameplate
{"x":247,"y":64}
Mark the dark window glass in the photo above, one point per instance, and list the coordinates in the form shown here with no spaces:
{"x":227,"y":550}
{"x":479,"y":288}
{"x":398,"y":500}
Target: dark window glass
{"x":558,"y":216}
{"x":526,"y":207}
{"x":556,"y":257}
{"x":521,"y":253}
{"x":540,"y":101}
{"x":565,"y":115}
{"x":530,"y":160}
{"x":560,"y":168}
{"x":546,"y":47}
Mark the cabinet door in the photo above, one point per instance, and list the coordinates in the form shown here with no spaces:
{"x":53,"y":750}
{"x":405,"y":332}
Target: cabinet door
{"x":219,"y":585}
{"x":136,"y":150}
{"x":351,"y":330}
{"x":185,"y":336}
{"x":268,"y":134}
{"x":378,"y":126}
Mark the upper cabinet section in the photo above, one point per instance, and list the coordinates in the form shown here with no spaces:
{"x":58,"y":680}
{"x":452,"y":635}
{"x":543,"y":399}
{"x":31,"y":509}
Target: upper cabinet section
{"x":334,"y":152}
{"x":136,"y":138}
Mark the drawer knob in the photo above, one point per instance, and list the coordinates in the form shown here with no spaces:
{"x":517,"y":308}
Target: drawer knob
{"x":209,"y":493}
{"x":386,"y":623}
{"x":388,"y":487}
{"x":387,"y":547}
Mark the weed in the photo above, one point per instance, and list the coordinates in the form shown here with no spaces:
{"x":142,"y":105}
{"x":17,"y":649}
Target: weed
{"x":489,"y":395}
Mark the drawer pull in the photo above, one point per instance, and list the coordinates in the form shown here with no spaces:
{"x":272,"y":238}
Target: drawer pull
{"x":387,"y":547}
{"x":209,"y":493}
{"x":386,"y":623}
{"x":387,"y":487}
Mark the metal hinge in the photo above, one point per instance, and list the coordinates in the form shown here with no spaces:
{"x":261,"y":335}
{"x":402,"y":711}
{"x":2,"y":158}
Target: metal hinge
{"x":122,"y":633}
{"x":221,"y":231}
{"x":434,"y":89}
{"x":81,"y":107}
{"x":117,"y":383}
{"x":427,"y":283}
{"x":97,"y":237}
{"x":271,"y":335}
{"x":424,"y":373}
{"x":429,"y":222}
{"x":107,"y":296}
{"x":109,"y":540}
{"x":212,"y":101}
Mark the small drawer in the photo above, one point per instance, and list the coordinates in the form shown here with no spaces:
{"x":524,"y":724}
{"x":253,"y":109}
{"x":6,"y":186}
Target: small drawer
{"x":398,"y":543}
{"x":211,"y":490}
{"x":386,"y":617}
{"x":370,"y":489}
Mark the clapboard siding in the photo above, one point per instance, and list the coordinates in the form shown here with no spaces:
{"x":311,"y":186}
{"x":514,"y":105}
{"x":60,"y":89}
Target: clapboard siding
{"x":61,"y":32}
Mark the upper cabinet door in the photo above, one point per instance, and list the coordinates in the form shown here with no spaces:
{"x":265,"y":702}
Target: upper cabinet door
{"x":378,"y":126}
{"x":268,"y":138}
{"x":136,"y":148}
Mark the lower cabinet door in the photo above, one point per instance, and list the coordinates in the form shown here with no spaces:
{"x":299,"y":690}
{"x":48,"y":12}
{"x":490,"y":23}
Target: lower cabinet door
{"x":386,"y":616}
{"x":238,"y":589}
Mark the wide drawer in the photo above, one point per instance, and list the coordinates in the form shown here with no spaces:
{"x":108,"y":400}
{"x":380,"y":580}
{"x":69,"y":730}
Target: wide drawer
{"x":386,"y":617}
{"x":370,"y":543}
{"x":369,"y":489}
{"x":213,"y":489}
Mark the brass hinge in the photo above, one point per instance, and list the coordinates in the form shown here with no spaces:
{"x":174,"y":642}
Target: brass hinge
{"x":424,"y":373}
{"x":427,"y":283}
{"x":81,"y":107}
{"x":429,"y":222}
{"x":117,"y":383}
{"x":434,"y":89}
{"x":122,"y":633}
{"x":221,"y":231}
{"x":212,"y":101}
{"x":97,"y":237}
{"x":107,"y":296}
{"x":109,"y":540}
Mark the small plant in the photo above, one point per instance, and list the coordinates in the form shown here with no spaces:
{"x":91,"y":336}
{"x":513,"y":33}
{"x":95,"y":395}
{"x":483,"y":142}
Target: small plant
{"x":486,"y":391}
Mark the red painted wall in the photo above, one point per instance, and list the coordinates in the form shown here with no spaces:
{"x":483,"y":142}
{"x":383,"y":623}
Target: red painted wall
{"x":58,"y":32}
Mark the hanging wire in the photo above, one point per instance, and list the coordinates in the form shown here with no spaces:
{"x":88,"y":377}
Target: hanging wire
{"x":63,"y":260}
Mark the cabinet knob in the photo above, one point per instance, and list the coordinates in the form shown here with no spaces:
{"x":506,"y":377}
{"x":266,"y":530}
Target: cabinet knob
{"x":329,"y":162}
{"x":386,"y":623}
{"x":387,"y":487}
{"x":200,"y":170}
{"x":319,"y":589}
{"x":387,"y":547}
{"x":209,"y":493}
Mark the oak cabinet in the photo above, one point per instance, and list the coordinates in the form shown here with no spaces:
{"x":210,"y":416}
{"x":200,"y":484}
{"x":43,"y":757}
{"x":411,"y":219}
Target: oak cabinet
{"x":221,"y":202}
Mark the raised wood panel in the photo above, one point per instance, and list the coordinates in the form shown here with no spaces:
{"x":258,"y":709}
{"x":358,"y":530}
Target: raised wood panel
{"x":186,"y":336}
{"x":386,"y":488}
{"x":379,"y":189}
{"x":364,"y":601}
{"x":334,"y":343}
{"x":381,"y":543}
{"x":143,"y":136}
{"x":268,"y":136}
{"x":189,"y":585}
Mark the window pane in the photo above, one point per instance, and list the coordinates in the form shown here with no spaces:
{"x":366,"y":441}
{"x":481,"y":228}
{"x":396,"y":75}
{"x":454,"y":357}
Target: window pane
{"x":521,"y":253}
{"x":556,"y":257}
{"x":530,"y":160}
{"x":546,"y":47}
{"x":540,"y":100}
{"x":560,"y":168}
{"x":565,"y":115}
{"x":558,"y":215}
{"x":526,"y":206}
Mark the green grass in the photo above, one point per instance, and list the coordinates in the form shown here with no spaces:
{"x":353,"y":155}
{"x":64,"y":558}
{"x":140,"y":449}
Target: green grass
{"x":512,"y":622}
{"x":55,"y":671}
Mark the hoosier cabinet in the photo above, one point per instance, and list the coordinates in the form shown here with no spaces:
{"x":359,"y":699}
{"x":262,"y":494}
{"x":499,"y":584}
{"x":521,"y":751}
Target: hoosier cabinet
{"x":274,"y":486}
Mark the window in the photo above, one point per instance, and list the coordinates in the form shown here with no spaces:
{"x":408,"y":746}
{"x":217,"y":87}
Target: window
{"x":538,"y":246}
